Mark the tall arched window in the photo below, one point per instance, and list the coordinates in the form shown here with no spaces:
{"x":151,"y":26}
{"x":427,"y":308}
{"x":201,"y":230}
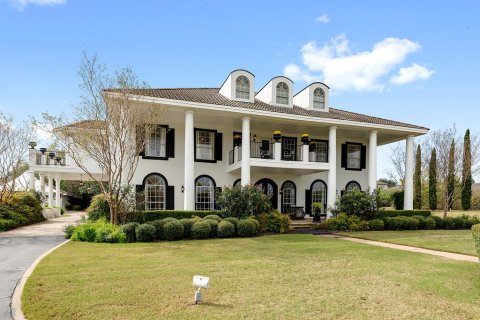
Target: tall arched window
{"x":204,"y":193}
{"x":237,"y":183}
{"x":353,"y":185}
{"x":289,"y":196}
{"x":155,"y":192}
{"x":242,"y":88}
{"x":282,"y":93}
{"x":319,"y":98}
{"x":319,"y":192}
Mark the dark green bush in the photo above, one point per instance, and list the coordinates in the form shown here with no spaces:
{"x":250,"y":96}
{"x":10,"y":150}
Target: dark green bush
{"x":145,"y":216}
{"x":98,"y":208}
{"x":376,"y":225}
{"x":421,"y":222}
{"x":398,"y":198}
{"x":173,"y":230}
{"x":403,"y":213}
{"x":358,"y":203}
{"x":430,"y":223}
{"x":187,"y":227}
{"x":233,"y":221}
{"x":213,"y":217}
{"x":242,"y":201}
{"x":225,"y":229}
{"x":274,"y":222}
{"x":145,"y":233}
{"x":439,"y":224}
{"x":476,"y":237}
{"x":23,"y":208}
{"x":129,"y":230}
{"x":257,"y":225}
{"x":448,"y":223}
{"x":460,"y":223}
{"x":213,"y":227}
{"x":201,"y":230}
{"x":69,"y":230}
{"x":246,"y":228}
{"x":158,"y":224}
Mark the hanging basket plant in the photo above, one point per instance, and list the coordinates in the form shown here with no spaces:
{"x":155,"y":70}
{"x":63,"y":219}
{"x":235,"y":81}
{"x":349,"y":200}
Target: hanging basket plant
{"x":305,"y":138}
{"x":277,"y":135}
{"x":237,"y":139}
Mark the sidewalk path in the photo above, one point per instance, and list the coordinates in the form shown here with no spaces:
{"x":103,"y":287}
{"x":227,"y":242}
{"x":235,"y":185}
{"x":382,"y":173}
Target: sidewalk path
{"x":21,"y":246}
{"x":449,"y":255}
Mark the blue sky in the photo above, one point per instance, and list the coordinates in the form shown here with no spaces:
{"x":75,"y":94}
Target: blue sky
{"x":413,"y":61}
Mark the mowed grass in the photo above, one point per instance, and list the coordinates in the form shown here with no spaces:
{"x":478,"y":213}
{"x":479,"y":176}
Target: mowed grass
{"x":457,"y":213}
{"x":457,"y":241}
{"x":271,"y":277}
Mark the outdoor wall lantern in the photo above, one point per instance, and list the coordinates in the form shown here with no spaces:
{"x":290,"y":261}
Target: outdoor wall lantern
{"x":32,"y":144}
{"x":281,"y":191}
{"x":182,"y":189}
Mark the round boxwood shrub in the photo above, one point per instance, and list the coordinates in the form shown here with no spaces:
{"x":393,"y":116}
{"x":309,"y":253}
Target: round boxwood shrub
{"x":448,"y":223}
{"x":233,"y":221}
{"x":225,"y":229}
{"x":257,"y":225}
{"x":213,"y":227}
{"x":421,"y":222}
{"x":213,"y":217}
{"x":246,"y":228}
{"x":158,"y":224}
{"x":201,"y":230}
{"x":430,"y":223}
{"x":116,"y":236}
{"x":173,"y":230}
{"x":438,"y":222}
{"x":129,"y":230}
{"x":145,"y":232}
{"x":460,"y":223}
{"x":376,"y":225}
{"x":187,"y":227}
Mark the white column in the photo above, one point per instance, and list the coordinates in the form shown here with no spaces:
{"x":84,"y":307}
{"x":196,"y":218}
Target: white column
{"x":277,"y":151}
{"x":245,"y":151}
{"x":372,"y":161}
{"x":189,"y":182}
{"x":408,"y":197}
{"x":58,"y":194}
{"x":42,"y":184}
{"x":332,"y":172}
{"x":31,"y":182}
{"x":50,"y":191}
{"x":305,"y":150}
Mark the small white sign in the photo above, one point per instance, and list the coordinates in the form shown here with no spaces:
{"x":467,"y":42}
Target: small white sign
{"x":200,"y":282}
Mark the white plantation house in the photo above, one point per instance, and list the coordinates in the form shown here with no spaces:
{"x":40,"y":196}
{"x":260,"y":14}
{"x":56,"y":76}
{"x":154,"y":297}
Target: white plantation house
{"x":214,"y":137}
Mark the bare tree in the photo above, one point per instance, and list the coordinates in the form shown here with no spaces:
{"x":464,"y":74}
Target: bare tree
{"x":104,"y":129}
{"x":14,"y":139}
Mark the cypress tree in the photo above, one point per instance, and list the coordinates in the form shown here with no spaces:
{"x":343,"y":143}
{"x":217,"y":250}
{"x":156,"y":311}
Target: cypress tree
{"x":417,"y":180}
{"x":467,"y":173}
{"x":432,"y":181}
{"x":451,"y":175}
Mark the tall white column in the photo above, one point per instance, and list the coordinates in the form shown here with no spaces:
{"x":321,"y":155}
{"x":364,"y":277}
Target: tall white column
{"x":245,"y":151}
{"x":189,"y":182}
{"x":42,"y":184}
{"x":58,"y":194}
{"x":372,"y":161}
{"x":408,"y":197}
{"x":332,"y":172}
{"x":31,"y":182}
{"x":50,"y":191}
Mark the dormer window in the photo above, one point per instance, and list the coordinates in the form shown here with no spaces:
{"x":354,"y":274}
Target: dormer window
{"x":319,"y":98}
{"x":242,"y":88}
{"x":282,"y":93}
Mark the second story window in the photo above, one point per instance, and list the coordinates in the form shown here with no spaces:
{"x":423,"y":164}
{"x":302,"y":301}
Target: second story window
{"x":205,"y":144}
{"x":354,"y":156}
{"x":242,"y":88}
{"x":282,"y":93}
{"x":319,"y":99}
{"x":156,"y":142}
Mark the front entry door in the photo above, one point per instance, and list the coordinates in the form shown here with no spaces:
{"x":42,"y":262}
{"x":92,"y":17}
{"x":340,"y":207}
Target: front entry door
{"x":269,"y":188}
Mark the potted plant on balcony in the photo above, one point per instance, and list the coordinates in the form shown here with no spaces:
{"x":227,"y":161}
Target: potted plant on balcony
{"x":305,"y":138}
{"x":317,"y":209}
{"x":237,"y":139}
{"x":277,"y":135}
{"x":311,"y":146}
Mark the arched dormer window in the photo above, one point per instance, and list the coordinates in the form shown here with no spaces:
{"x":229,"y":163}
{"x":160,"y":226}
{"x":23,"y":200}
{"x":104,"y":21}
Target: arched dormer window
{"x":319,"y":98}
{"x":282,"y":93}
{"x":242,"y":88}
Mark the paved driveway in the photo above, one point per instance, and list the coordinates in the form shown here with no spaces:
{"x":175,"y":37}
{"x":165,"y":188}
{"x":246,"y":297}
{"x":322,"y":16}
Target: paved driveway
{"x":20,"y":247}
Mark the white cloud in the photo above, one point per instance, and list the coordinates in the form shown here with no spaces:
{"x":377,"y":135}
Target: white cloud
{"x":323,"y":19}
{"x":410,"y":74}
{"x":335,"y":64}
{"x":22,"y":4}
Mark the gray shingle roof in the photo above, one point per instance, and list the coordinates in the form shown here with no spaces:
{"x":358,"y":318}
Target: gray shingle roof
{"x":212,"y":96}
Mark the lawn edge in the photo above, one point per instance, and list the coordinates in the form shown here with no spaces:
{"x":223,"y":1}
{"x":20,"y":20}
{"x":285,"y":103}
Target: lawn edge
{"x":345,"y":234}
{"x":16,"y":304}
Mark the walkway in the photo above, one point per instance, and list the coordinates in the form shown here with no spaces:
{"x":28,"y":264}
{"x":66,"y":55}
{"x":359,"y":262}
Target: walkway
{"x":20,"y":247}
{"x":449,"y":255}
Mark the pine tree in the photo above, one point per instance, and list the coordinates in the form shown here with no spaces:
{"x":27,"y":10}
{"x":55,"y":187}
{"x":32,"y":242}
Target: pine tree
{"x":467,"y":173}
{"x":417,"y":180}
{"x":451,"y":177}
{"x":432,"y":181}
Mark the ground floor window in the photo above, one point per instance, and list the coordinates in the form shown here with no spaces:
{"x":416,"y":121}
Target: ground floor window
{"x":319,"y":192}
{"x":288,"y":194}
{"x":353,"y":185}
{"x":155,"y":192}
{"x":204,"y":193}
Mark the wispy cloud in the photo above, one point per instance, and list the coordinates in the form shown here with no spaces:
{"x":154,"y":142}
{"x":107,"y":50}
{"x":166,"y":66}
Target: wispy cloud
{"x":22,"y":4}
{"x":323,"y":19}
{"x":335,"y":64}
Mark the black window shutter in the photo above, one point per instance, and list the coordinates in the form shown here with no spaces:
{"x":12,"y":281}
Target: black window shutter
{"x":218,"y":190}
{"x":344,"y":155}
{"x":218,"y":146}
{"x":170,"y":205}
{"x":140,"y":137}
{"x":364,"y":157}
{"x":171,"y":143}
{"x":308,"y":201}
{"x":139,"y":197}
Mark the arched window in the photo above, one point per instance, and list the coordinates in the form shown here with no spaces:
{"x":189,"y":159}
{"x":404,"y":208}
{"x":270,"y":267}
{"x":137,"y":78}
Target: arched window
{"x":237,"y":183}
{"x":289,"y":195}
{"x":204,"y":193}
{"x":319,"y":192}
{"x":155,"y":192}
{"x":319,"y":98}
{"x":242,"y":88}
{"x":353,"y":185}
{"x":282,"y":93}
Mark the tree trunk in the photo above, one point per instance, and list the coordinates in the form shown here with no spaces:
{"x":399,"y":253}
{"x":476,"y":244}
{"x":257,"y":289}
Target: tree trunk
{"x":113,"y":213}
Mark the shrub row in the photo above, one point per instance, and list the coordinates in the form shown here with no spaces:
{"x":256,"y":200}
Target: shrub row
{"x":476,"y":237}
{"x":97,"y":231}
{"x":23,"y":208}
{"x":145,"y":216}
{"x":404,"y":213}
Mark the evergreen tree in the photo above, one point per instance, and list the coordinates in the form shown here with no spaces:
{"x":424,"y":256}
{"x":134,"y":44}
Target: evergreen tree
{"x":451,"y":176}
{"x":417,"y":180}
{"x":432,"y":181}
{"x":467,"y":173}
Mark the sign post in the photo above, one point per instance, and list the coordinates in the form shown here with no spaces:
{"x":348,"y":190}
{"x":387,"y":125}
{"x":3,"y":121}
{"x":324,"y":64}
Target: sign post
{"x":200,"y":282}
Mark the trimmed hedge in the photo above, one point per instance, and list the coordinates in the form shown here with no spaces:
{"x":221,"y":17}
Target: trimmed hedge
{"x":376,"y":225}
{"x":129,"y":230}
{"x":246,"y":228}
{"x":233,"y":221}
{"x":145,"y":233}
{"x":225,"y":229}
{"x":476,"y":237}
{"x":144,"y":216}
{"x":201,"y":230}
{"x":403,"y":213}
{"x":213,"y":227}
{"x":187,"y":227}
{"x":213,"y":217}
{"x":173,"y":230}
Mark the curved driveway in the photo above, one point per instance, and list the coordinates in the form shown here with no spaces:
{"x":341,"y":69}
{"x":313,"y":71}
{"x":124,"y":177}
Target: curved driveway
{"x":20,"y":247}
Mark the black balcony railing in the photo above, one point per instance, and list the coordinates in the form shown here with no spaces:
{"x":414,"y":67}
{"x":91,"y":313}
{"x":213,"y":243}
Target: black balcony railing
{"x":262,"y":150}
{"x":50,"y":158}
{"x":294,"y":153}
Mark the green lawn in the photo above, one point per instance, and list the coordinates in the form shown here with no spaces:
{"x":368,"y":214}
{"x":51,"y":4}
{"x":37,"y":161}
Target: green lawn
{"x":458,"y":241}
{"x":457,"y":213}
{"x":271,"y":277}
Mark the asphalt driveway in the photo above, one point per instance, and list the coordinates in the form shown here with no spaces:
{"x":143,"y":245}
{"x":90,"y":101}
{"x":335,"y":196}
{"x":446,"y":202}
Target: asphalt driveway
{"x":20,"y":247}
